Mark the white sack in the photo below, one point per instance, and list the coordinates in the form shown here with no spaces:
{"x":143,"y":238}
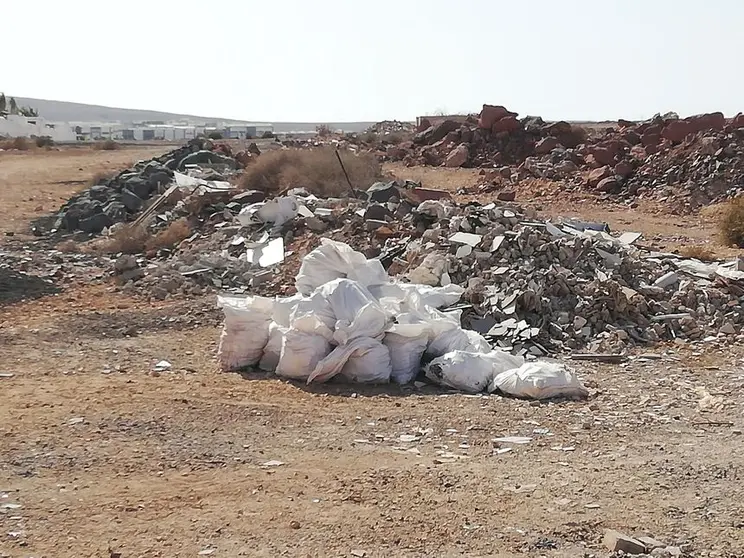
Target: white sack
{"x":470,"y":372}
{"x":334,"y":260}
{"x":436,"y":297}
{"x":357,"y":312}
{"x":457,"y":339}
{"x":283,"y":308}
{"x":245,"y":332}
{"x":301,"y":352}
{"x":362,"y":360}
{"x":273,"y":349}
{"x":314,"y":315}
{"x":539,"y":380}
{"x":406,"y":349}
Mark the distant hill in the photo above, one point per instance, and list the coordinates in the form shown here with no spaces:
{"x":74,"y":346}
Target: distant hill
{"x":62,"y":111}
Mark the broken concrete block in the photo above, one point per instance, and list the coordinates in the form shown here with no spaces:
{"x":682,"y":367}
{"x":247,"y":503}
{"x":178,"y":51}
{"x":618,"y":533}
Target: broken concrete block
{"x":616,"y":541}
{"x":650,"y":543}
{"x":466,"y":238}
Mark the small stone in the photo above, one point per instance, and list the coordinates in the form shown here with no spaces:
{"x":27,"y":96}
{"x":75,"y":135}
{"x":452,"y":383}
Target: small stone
{"x":294,"y":524}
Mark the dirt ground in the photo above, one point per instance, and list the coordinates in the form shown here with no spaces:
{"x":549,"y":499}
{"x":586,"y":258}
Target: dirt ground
{"x":102,"y":456}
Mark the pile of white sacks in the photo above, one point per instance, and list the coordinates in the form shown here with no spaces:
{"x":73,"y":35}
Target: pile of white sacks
{"x":351,"y":319}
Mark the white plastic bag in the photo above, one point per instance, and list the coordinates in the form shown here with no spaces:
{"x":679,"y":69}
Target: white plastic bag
{"x":245,"y":332}
{"x":334,"y":260}
{"x":361,"y":360}
{"x":457,"y":339}
{"x":470,"y":372}
{"x":314,"y":315}
{"x":406,"y":343}
{"x":436,"y":297}
{"x":273,"y":349}
{"x":357,"y":312}
{"x":301,"y":352}
{"x":277,"y":211}
{"x":539,"y":380}
{"x":283,"y":308}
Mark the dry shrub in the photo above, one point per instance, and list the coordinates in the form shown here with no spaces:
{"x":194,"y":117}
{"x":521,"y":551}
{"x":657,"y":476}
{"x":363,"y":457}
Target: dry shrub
{"x":127,"y":239}
{"x":20,"y":144}
{"x":44,"y":141}
{"x":175,"y":233}
{"x":317,"y":170}
{"x":697,"y":252}
{"x":69,"y":247}
{"x":106,"y":145}
{"x":731,"y":223}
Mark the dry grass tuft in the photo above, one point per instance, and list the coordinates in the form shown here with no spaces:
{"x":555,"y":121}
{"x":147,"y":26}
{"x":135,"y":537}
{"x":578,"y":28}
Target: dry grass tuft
{"x":106,"y":145}
{"x":731,"y":223}
{"x":697,"y":252}
{"x":129,"y":239}
{"x":317,"y":170}
{"x":174,"y":234}
{"x":20,"y":144}
{"x":69,"y":247}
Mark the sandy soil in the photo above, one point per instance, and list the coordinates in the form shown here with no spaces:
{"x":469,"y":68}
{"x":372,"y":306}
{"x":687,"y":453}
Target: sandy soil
{"x":101,"y":456}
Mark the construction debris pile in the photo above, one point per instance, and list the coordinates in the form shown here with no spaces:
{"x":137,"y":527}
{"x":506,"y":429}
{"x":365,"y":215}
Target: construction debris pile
{"x":119,"y":198}
{"x":687,"y":162}
{"x":531,"y":287}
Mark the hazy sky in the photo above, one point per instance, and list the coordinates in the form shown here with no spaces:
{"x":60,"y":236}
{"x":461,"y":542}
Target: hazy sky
{"x":341,"y":60}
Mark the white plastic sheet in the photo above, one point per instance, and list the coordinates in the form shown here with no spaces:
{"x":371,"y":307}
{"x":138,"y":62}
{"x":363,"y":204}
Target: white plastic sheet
{"x":277,"y":211}
{"x":334,"y":260}
{"x":361,"y":360}
{"x":468,"y":371}
{"x":539,"y":380}
{"x":245,"y":332}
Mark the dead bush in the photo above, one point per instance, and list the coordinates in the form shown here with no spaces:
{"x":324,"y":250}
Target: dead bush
{"x":697,"y":252}
{"x":317,"y":170}
{"x":44,"y":141}
{"x":731,"y":223}
{"x":106,"y":145}
{"x":127,"y":239}
{"x":19,"y":144}
{"x":169,"y":237}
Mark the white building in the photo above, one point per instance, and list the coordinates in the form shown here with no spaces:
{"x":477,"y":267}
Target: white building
{"x":15,"y":126}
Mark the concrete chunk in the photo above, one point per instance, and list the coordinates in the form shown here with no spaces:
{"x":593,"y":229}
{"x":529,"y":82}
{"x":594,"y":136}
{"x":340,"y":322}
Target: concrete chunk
{"x":616,"y":541}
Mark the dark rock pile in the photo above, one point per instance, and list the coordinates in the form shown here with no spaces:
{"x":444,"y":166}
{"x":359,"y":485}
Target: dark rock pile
{"x":120,"y":198}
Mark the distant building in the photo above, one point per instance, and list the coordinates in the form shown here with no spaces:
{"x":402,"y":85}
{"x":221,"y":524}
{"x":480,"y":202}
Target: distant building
{"x":14,"y":126}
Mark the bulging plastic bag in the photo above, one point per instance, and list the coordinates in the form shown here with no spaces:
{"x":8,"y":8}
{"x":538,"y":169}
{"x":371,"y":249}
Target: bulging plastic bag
{"x":457,"y":339}
{"x":357,"y":312}
{"x":300,"y":354}
{"x":283,"y":308}
{"x":245,"y":332}
{"x":406,"y":343}
{"x":277,"y":211}
{"x":334,"y":260}
{"x":436,"y":297}
{"x":362,"y":360}
{"x":273,"y":349}
{"x":314,"y":315}
{"x":539,"y":380}
{"x":468,"y":371}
